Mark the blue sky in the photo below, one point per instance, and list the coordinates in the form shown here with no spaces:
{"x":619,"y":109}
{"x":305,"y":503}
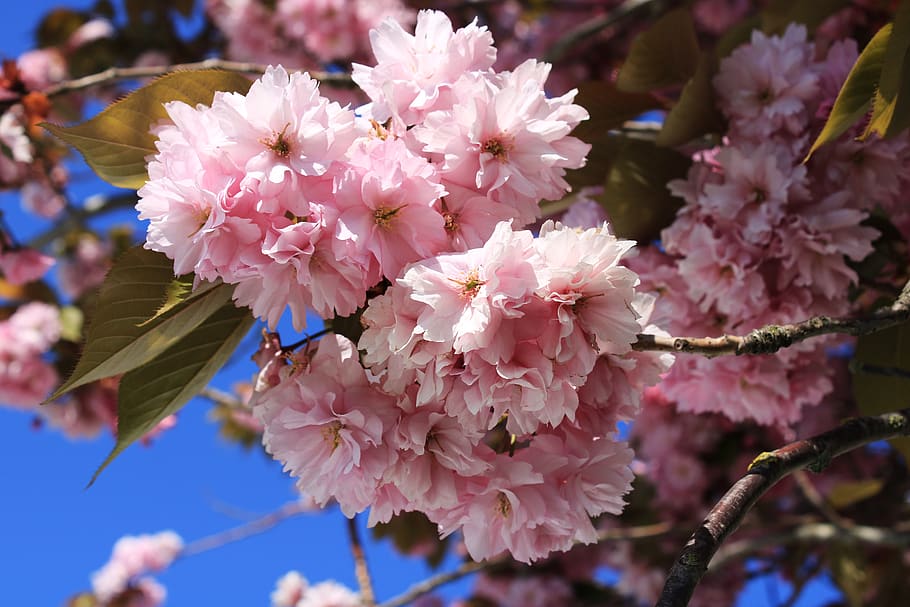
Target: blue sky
{"x":54,"y":533}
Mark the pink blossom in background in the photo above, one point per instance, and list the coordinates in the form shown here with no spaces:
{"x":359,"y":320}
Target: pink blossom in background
{"x":22,"y":266}
{"x":289,"y":589}
{"x":13,"y":137}
{"x":132,"y":557}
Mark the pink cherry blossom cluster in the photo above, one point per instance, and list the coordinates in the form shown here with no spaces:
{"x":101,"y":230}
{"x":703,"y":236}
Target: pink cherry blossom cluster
{"x":762,"y":237}
{"x":293,"y":590}
{"x":122,"y":579}
{"x":496,"y":377}
{"x":301,"y":205}
{"x":26,"y":377}
{"x":302,"y":33}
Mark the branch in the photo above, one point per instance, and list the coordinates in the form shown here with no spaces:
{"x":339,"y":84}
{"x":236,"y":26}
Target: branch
{"x":898,"y":537}
{"x":116,"y":74}
{"x":244,"y":531}
{"x":771,"y":338}
{"x":367,"y":597}
{"x":768,"y":468}
{"x":594,"y":26}
{"x":78,"y":216}
{"x":468,"y":567}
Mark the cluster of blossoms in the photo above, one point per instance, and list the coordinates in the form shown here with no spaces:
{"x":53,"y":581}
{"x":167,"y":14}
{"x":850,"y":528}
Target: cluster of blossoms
{"x":301,"y":205}
{"x":302,"y":33}
{"x":123,"y":580}
{"x":764,"y":238}
{"x":25,"y":337}
{"x":497,"y":363}
{"x":293,"y":590}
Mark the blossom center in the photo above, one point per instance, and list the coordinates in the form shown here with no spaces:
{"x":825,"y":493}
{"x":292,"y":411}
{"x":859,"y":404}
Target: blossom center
{"x":383,"y":216}
{"x":503,"y":505}
{"x":451,"y":220}
{"x":331,"y":433}
{"x":498,"y":146}
{"x":279,"y":143}
{"x":471,"y":284}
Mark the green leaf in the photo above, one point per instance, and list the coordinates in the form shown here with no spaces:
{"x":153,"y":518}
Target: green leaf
{"x":848,"y":493}
{"x":609,"y":108}
{"x":695,"y":114}
{"x":118,"y":339}
{"x":163,"y":385}
{"x":879,"y":365}
{"x":179,"y":291}
{"x":891,"y":106}
{"x":635,"y":191}
{"x":664,"y":55}
{"x":855,"y":96}
{"x":116,"y":142}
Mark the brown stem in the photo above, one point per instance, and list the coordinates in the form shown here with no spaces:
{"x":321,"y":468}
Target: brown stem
{"x":244,"y":531}
{"x":768,"y":468}
{"x":367,"y":597}
{"x":771,"y":338}
{"x":115,"y":74}
{"x":468,"y":567}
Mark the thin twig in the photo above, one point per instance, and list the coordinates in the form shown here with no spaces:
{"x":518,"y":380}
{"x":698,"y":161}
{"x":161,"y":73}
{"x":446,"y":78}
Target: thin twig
{"x":367,"y":597}
{"x":594,"y":26}
{"x":768,"y":468}
{"x":771,"y":338}
{"x":116,"y":74}
{"x":244,"y":531}
{"x":468,"y":567}
{"x":78,"y":216}
{"x":818,"y":500}
{"x":811,"y":533}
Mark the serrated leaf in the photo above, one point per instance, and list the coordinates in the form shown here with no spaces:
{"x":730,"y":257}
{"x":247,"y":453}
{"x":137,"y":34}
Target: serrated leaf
{"x":117,"y":340}
{"x":609,"y":108}
{"x":856,"y":95}
{"x":695,"y":114}
{"x":635,"y":192}
{"x":848,"y":493}
{"x":891,"y":105}
{"x":163,"y":385}
{"x":179,"y":291}
{"x":879,"y":365}
{"x":116,"y":142}
{"x":665,"y":54}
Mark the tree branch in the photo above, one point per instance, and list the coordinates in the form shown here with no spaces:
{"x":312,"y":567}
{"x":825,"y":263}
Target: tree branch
{"x":361,"y":571}
{"x":244,"y":531}
{"x":771,"y":338}
{"x":468,"y":567}
{"x":116,"y":74}
{"x":768,"y":468}
{"x":820,"y":533}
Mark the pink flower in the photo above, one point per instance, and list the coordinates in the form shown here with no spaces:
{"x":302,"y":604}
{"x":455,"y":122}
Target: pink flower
{"x":14,"y":139}
{"x":289,"y":589}
{"x":329,"y":594}
{"x":283,"y":125}
{"x":21,"y":266}
{"x":415,"y":74}
{"x":327,"y":423}
{"x":388,"y":205}
{"x":505,"y":138}
{"x":134,"y":556}
{"x":765,"y":86}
